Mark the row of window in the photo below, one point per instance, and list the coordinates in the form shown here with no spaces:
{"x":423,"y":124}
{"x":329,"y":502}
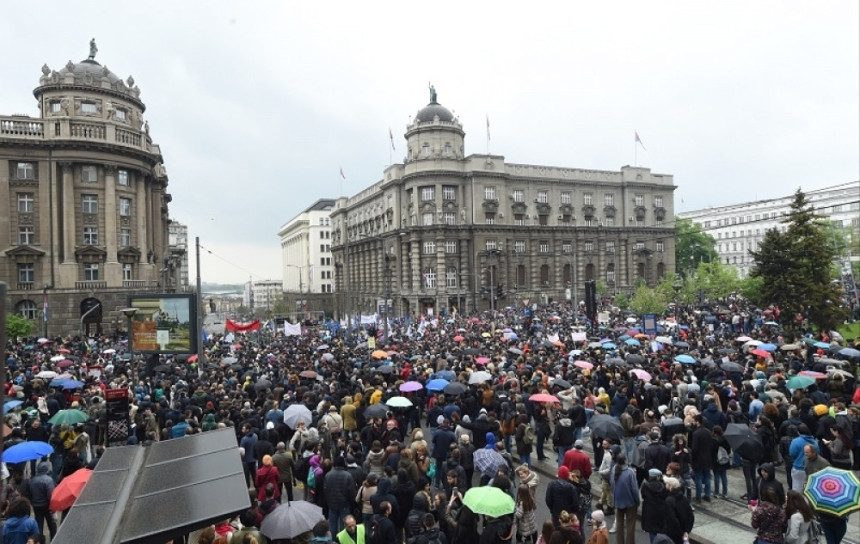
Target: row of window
{"x":89,"y":173}
{"x":450,"y":246}
{"x":27,"y":236}
{"x":428,"y":193}
{"x":449,"y":218}
{"x":91,"y":272}
{"x":430,"y":281}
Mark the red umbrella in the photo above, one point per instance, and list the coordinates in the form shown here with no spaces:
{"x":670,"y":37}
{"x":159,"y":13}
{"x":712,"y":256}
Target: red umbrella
{"x":458,"y":338}
{"x":812,"y":374}
{"x":543,"y":397}
{"x":65,"y":363}
{"x":69,"y":489}
{"x":193,"y":358}
{"x":761,"y":353}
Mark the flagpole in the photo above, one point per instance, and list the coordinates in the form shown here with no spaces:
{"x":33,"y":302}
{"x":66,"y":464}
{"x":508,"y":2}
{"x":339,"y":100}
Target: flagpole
{"x":635,"y":153}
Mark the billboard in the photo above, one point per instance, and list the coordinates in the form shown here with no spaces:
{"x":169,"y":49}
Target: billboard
{"x":164,"y":323}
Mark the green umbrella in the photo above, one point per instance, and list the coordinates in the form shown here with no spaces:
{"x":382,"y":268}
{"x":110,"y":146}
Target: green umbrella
{"x":489,"y":501}
{"x":799,"y":382}
{"x":68,"y":416}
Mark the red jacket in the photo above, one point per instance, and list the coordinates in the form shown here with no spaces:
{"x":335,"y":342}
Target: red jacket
{"x":267,"y":475}
{"x":575,"y":459}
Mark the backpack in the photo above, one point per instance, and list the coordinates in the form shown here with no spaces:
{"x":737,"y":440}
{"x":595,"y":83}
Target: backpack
{"x":431,"y":469}
{"x":723,"y":456}
{"x":814,"y":534}
{"x":584,"y":488}
{"x":374,"y":535}
{"x":302,"y":468}
{"x":312,"y":480}
{"x":529,"y":435}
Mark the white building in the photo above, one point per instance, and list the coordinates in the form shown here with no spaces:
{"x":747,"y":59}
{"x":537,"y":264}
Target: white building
{"x":306,"y":250}
{"x":177,"y":241}
{"x":262,"y":295}
{"x":738,"y":228}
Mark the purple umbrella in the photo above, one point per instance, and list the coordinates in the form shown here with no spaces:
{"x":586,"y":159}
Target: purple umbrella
{"x":409,"y":387}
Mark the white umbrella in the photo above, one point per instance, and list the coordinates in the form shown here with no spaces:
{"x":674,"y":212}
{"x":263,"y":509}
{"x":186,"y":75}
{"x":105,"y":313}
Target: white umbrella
{"x":296,"y":413}
{"x":57,"y":358}
{"x":479,"y":377}
{"x":399,"y":402}
{"x":109,"y":351}
{"x":47,"y":374}
{"x":664,"y":340}
{"x":752,"y":343}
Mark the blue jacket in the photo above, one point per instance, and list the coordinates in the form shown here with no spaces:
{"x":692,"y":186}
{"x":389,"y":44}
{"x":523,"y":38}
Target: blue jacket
{"x":18,"y":530}
{"x":41,"y":486}
{"x":795,"y":450}
{"x":625,"y":490}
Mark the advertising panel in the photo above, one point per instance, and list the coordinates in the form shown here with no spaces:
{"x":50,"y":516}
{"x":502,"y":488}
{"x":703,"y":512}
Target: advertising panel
{"x":164,"y":323}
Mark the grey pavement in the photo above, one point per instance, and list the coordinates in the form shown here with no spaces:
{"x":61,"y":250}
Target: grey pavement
{"x":720,"y":521}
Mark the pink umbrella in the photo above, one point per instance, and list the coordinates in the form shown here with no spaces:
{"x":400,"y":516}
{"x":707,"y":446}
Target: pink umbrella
{"x":482,"y":360}
{"x":583,"y":364}
{"x":543,"y":397}
{"x":458,"y":338}
{"x":65,"y":364}
{"x":641,"y":374}
{"x":410,"y":386}
{"x":761,"y":353}
{"x":812,"y":374}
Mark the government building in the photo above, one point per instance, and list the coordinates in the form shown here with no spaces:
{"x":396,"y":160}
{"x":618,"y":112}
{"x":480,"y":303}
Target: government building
{"x":84,"y":203}
{"x":447,"y":230}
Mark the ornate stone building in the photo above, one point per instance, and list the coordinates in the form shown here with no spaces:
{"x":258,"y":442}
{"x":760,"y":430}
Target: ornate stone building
{"x":83,"y":200}
{"x":445,"y":229}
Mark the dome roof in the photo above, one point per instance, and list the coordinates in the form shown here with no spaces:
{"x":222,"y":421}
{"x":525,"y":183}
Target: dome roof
{"x":429,"y":112}
{"x":90,"y":67}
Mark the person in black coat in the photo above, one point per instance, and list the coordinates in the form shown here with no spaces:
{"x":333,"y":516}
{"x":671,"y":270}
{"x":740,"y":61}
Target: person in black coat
{"x":702,"y":447}
{"x":679,"y":514}
{"x":653,"y":503}
{"x":561,"y":494}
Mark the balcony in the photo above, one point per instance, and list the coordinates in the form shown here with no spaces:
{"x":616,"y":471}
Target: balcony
{"x":134,"y":284}
{"x":90,"y":285}
{"x":72,"y":129}
{"x":25,"y":285}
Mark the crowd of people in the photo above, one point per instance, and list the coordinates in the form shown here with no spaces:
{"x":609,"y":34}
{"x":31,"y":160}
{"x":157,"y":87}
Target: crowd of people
{"x":396,"y":430}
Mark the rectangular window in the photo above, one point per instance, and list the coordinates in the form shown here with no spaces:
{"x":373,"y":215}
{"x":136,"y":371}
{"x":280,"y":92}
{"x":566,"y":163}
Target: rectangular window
{"x":56,"y":106}
{"x":490,"y":219}
{"x":658,"y":223}
{"x":427,"y":194}
{"x":519,"y":219}
{"x":543,"y":197}
{"x":639,"y":200}
{"x":490,"y":193}
{"x":517,"y":195}
{"x":89,"y":174}
{"x":450,"y":218}
{"x":610,"y":247}
{"x":122,"y":177}
{"x":429,"y":248}
{"x":587,"y":199}
{"x":124,"y":237}
{"x":26,"y":273}
{"x":450,"y":246}
{"x":490,"y":245}
{"x":120,"y":114}
{"x":26,"y":204}
{"x":610,"y":276}
{"x":640,"y":222}
{"x":91,"y":236}
{"x":565,"y":197}
{"x":26,"y":236}
{"x":639,"y":246}
{"x":588,"y":246}
{"x":427,"y":219}
{"x":660,"y":246}
{"x":448,"y":192}
{"x":609,"y":221}
{"x":451,"y":277}
{"x":91,"y":272}
{"x":543,"y":247}
{"x":608,"y":199}
{"x":543,"y":220}
{"x":89,"y":107}
{"x":566,"y":247}
{"x":89,"y":204}
{"x":26,"y":170}
{"x":124,"y":207}
{"x":565,"y":219}
{"x":519,"y":246}
{"x":127,"y":272}
{"x":658,"y":201}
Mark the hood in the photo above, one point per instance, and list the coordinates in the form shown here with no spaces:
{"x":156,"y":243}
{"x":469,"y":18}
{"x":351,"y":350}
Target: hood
{"x":43,"y":468}
{"x":315,"y":461}
{"x":375,"y":455}
{"x":565,"y":422}
{"x":770,"y":470}
{"x":491,"y":439}
{"x":384,"y":486}
{"x":711,"y":407}
{"x":419,"y":502}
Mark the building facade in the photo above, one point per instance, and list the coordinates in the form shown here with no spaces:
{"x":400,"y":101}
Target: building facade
{"x":740,"y":228}
{"x":446,"y":230}
{"x":177,"y":255}
{"x":262,"y":296}
{"x":83,"y":200}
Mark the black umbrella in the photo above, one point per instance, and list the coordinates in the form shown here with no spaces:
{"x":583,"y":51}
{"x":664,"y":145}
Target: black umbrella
{"x":744,"y":441}
{"x":635,"y":359}
{"x":376,"y":410}
{"x":385,"y":369}
{"x":236,"y":367}
{"x":262,"y":384}
{"x":455,"y":388}
{"x":161,"y":368}
{"x":471,"y":351}
{"x":558,"y":382}
{"x":682,"y":345}
{"x":732,"y":367}
{"x":616,"y":361}
{"x":604,"y":426}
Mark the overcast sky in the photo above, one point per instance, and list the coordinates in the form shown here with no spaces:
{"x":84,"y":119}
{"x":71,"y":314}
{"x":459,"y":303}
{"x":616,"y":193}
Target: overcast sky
{"x":256,"y":105}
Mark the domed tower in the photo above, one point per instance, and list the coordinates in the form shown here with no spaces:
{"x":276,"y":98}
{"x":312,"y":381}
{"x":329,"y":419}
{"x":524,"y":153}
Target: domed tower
{"x":435,"y":133}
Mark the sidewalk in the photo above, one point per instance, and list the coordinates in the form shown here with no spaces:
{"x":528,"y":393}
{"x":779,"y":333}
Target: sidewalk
{"x":721,"y":520}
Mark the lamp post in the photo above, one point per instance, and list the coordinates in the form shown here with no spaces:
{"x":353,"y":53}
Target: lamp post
{"x":299,"y":300}
{"x":497,"y":254}
{"x":129,"y":314}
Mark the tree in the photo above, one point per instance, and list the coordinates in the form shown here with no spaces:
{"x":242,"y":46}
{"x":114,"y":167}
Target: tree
{"x":715,"y":279}
{"x":622,"y":301}
{"x":796,"y":269}
{"x":18,"y":326}
{"x":648,"y":301}
{"x":692,"y":246}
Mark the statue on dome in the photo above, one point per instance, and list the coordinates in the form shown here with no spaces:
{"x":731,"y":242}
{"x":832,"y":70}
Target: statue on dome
{"x":432,"y":93}
{"x":93,"y":49}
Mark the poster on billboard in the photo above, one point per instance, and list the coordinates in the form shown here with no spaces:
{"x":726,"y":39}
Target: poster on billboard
{"x":164,"y":323}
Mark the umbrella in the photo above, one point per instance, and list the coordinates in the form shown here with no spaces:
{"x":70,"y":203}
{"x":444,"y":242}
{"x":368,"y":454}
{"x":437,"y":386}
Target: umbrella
{"x":455,"y":388}
{"x":488,"y":461}
{"x":411,"y":386}
{"x":480,"y":377}
{"x":436,"y":385}
{"x":11,"y":405}
{"x":789,"y":347}
{"x":767,"y":347}
{"x":70,"y":416}
{"x":482,"y":360}
{"x":834,"y":491}
{"x":744,"y":441}
{"x":262,"y":385}
{"x":772,"y":323}
{"x":446,"y":375}
{"x":229,"y":361}
{"x":296,"y":413}
{"x":308,"y":374}
{"x":635,"y":359}
{"x":161,"y":368}
{"x":66,"y":363}
{"x":515,"y":351}
{"x":850,"y":353}
{"x":821,"y":345}
{"x":743,"y":339}
{"x":291,"y":519}
{"x":27,"y":451}
{"x":558,"y":382}
{"x":471,"y":351}
{"x":73,"y":384}
{"x":399,"y":402}
{"x":616,"y":361}
{"x":799,"y":382}
{"x":685,"y":359}
{"x":608,"y":345}
{"x":489,"y":501}
{"x":57,"y":358}
{"x":379,"y":354}
{"x":812,"y":374}
{"x":486,"y":335}
{"x":69,"y":489}
{"x":458,"y":338}
{"x":543,"y":397}
{"x":192,"y":359}
{"x":663,"y":339}
{"x":632,"y":342}
{"x":322,"y":347}
{"x":641,"y":374}
{"x":682,"y":345}
{"x":605,"y":426}
{"x":109,"y":351}
{"x":47,"y":374}
{"x":376,"y":410}
{"x":328,"y":357}
{"x":583,"y":364}
{"x":758,"y":352}
{"x":384,"y":369}
{"x":732,"y":367}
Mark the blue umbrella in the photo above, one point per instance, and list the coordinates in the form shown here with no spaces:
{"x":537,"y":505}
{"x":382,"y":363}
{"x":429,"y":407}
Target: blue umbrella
{"x":822,"y":345}
{"x":11,"y":405}
{"x":850,"y":353}
{"x":624,"y":337}
{"x":436,"y":385}
{"x":27,"y":451}
{"x":446,"y":375}
{"x":608,"y":345}
{"x":682,"y":345}
{"x":685,"y":359}
{"x":632,"y":342}
{"x":58,"y":382}
{"x":768,"y":347}
{"x":73,"y":384}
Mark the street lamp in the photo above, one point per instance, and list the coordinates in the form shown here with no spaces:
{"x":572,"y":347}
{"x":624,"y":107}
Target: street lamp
{"x":497,"y":253}
{"x":129,"y":314}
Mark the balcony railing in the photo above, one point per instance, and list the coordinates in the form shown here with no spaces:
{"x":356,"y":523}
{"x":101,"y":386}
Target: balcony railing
{"x":22,"y":128}
{"x":65,"y":128}
{"x":91,"y":284}
{"x":25,"y":285}
{"x":134,"y":284}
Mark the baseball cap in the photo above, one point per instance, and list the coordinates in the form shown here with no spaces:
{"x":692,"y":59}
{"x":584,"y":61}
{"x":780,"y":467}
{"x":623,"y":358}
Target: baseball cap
{"x":578,"y":444}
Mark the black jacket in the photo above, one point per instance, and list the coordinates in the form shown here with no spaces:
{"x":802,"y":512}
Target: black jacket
{"x":702,"y":446}
{"x":657,"y":456}
{"x":339,"y":488}
{"x":561,"y":495}
{"x":679,"y":516}
{"x":653,"y":506}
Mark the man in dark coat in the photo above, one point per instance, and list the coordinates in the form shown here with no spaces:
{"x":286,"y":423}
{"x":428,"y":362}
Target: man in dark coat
{"x":657,"y":455}
{"x":704,"y":449}
{"x":339,"y":492}
{"x":561,"y":494}
{"x":653,"y":503}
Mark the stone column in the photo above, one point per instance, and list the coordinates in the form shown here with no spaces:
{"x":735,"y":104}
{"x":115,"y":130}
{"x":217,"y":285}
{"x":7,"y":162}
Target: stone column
{"x":68,"y":268}
{"x":113,"y":271}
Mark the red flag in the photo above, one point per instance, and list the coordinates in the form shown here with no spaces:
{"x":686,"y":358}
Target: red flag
{"x":237,"y":326}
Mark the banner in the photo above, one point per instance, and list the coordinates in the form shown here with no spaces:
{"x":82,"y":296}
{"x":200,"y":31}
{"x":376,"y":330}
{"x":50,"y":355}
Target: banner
{"x":578,"y":337}
{"x":118,"y":420}
{"x":292,"y":330}
{"x":243,"y":327}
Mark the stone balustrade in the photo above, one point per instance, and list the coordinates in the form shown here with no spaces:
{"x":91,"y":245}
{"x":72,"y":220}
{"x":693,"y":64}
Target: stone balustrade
{"x":24,"y":128}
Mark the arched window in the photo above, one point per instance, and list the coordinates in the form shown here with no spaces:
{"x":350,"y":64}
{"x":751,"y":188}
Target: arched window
{"x":451,"y":277}
{"x":27,"y":309}
{"x":544,"y":275}
{"x":566,"y":274}
{"x":521,"y":276}
{"x":429,"y":277}
{"x":589,"y":272}
{"x":661,"y":270}
{"x":640,"y":270}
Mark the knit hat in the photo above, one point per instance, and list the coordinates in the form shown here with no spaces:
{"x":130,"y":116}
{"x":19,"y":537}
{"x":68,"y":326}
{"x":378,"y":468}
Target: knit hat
{"x":563,"y":472}
{"x":597,"y":516}
{"x":654,"y":473}
{"x":820,"y":409}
